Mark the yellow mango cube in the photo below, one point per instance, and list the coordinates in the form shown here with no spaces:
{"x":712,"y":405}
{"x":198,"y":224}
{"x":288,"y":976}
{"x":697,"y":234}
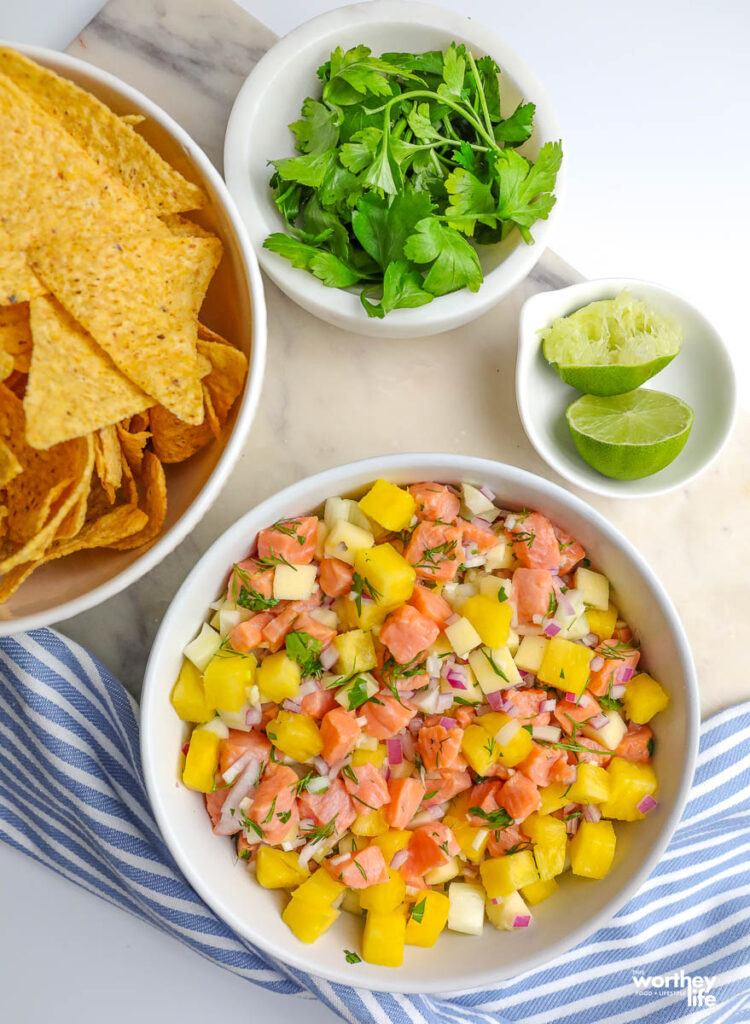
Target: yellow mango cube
{"x":544,"y":829}
{"x":389,"y":505}
{"x":189,"y":697}
{"x":630,"y":782}
{"x":644,"y":698}
{"x":369,"y":823}
{"x":428,"y":918}
{"x":297,"y":736}
{"x":370,"y":615}
{"x":592,"y":785}
{"x":308,"y":921}
{"x":514,"y":750}
{"x":226,"y":678}
{"x":503,"y":875}
{"x":472,"y":840}
{"x":550,"y":858}
{"x":389,"y":577}
{"x":385,"y":896}
{"x":363,"y":756}
{"x":538,"y":891}
{"x":356,"y":652}
{"x":479,"y":749}
{"x":565,"y":665}
{"x":592,"y":849}
{"x":383,"y":938}
{"x":201,"y":760}
{"x":603,"y":623}
{"x":490,"y":618}
{"x":553,"y":797}
{"x":278,"y":677}
{"x":319,"y":889}
{"x":391,"y":842}
{"x":279,"y":869}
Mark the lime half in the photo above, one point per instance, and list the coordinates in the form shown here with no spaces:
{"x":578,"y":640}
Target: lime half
{"x":612,"y":346}
{"x":629,"y":436}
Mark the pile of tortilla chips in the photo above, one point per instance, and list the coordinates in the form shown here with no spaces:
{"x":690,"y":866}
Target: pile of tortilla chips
{"x":106,"y":373}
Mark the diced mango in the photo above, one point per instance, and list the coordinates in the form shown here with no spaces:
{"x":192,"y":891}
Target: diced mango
{"x":389,"y":505}
{"x":298,"y":736}
{"x":346,"y":541}
{"x":201,"y":760}
{"x":504,"y":875}
{"x":226,"y":678}
{"x":389,"y":577}
{"x":538,"y":891}
{"x":428,"y":917}
{"x":356,"y":651}
{"x":278,"y":677}
{"x":463,"y":636}
{"x":494,"y":669}
{"x":279,"y":869}
{"x":490,"y":618}
{"x":514,"y":750}
{"x":391,"y":842}
{"x":644,"y":698}
{"x":383,"y":938}
{"x":472,"y":840}
{"x":603,"y":623}
{"x":385,"y":896}
{"x":592,"y":785}
{"x":319,"y":889}
{"x":479,"y":749}
{"x":369,"y":615}
{"x":189,"y":697}
{"x":543,"y":828}
{"x":550,"y":858}
{"x":363,"y":756}
{"x":630,"y":782}
{"x":308,"y":921}
{"x":592,"y":849}
{"x":553,"y":797}
{"x":369,"y":823}
{"x":565,"y":665}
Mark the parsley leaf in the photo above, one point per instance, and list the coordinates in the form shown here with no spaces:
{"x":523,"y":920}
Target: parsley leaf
{"x":324,"y":265}
{"x":382,"y":227}
{"x":525,"y":188}
{"x":454,"y":263}
{"x":498,"y":819}
{"x":356,"y":72}
{"x":304,"y":649}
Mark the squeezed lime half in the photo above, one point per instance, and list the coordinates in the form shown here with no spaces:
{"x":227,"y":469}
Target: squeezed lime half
{"x":630,"y":436}
{"x":611,"y":346}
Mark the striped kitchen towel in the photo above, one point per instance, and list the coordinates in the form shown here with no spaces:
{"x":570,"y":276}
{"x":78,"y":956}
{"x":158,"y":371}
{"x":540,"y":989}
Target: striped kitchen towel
{"x":72,"y":796}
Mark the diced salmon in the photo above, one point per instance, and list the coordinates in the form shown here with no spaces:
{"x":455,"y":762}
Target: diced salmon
{"x":528,"y":701}
{"x":441,"y":835}
{"x":484,"y":796}
{"x":245,"y":850}
{"x":594,"y":754}
{"x":616,"y":656}
{"x":339,"y":731}
{"x":405,"y":797}
{"x":571,"y":552}
{"x":387,"y":717}
{"x":214,"y":803}
{"x":306,"y":623}
{"x":335,"y":577}
{"x":333,"y":805}
{"x":585,"y":708}
{"x":635,"y":744}
{"x":318,"y":703}
{"x":540,"y":761}
{"x":532,"y":589}
{"x":275,"y":631}
{"x":430,"y":603}
{"x":239,"y":743}
{"x":366,"y":786}
{"x":520,"y":796}
{"x":435,"y":501}
{"x":291,"y":539}
{"x":534,"y":541}
{"x":623,"y":634}
{"x":391,"y":674}
{"x":249,"y":635}
{"x":464,"y":716}
{"x":478,"y":537}
{"x":249,"y":574}
{"x":359,"y":869}
{"x":439,"y":747}
{"x":446,"y":786}
{"x":406,"y":633}
{"x":423,"y":854}
{"x":435,"y":551}
{"x":274,"y":806}
{"x":503,"y":839}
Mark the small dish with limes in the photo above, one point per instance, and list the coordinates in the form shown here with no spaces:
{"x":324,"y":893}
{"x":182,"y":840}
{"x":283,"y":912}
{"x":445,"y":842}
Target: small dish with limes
{"x":623,"y":387}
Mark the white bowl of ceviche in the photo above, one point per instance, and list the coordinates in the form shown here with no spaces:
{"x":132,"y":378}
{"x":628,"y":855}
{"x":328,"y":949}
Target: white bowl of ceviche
{"x":419,"y":719}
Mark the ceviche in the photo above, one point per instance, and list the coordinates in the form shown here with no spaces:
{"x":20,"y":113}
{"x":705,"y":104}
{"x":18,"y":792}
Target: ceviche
{"x":420,"y":708}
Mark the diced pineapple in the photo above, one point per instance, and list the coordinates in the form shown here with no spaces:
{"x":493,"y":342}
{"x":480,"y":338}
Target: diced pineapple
{"x":544,"y":829}
{"x":538,"y":891}
{"x":358,"y":689}
{"x":504,"y":915}
{"x":189,"y":697}
{"x":490,"y":618}
{"x":472,"y":840}
{"x":226,"y":678}
{"x":594,"y":588}
{"x":479,"y":749}
{"x":494,"y":670}
{"x":501,"y":556}
{"x":368,"y":616}
{"x":428,"y":918}
{"x":295,"y":735}
{"x":278,"y":677}
{"x":201,"y":760}
{"x":592,"y":785}
{"x":386,"y":896}
{"x":325,"y":616}
{"x":350,"y":902}
{"x":391,"y":842}
{"x":279,"y":869}
{"x":644,"y":698}
{"x":463,"y":637}
{"x":475,"y":501}
{"x":457,"y":594}
{"x":294,"y":582}
{"x":550,"y":858}
{"x":565,"y":665}
{"x":503,"y":875}
{"x":345,"y":541}
{"x":610,"y":734}
{"x":319,"y":889}
{"x":389,"y":577}
{"x":603,"y":623}
{"x":369,"y":823}
{"x":364,"y":756}
{"x":466,"y":908}
{"x":553,"y":797}
{"x":202,"y":649}
{"x":592,"y":849}
{"x":383,"y":938}
{"x":356,"y":651}
{"x":530,"y":653}
{"x":630,"y":782}
{"x":441,"y":647}
{"x":336,"y":511}
{"x":350,"y":843}
{"x":438,"y":876}
{"x":308,"y":922}
{"x":513,"y":750}
{"x":389,"y":505}
{"x":320,"y":540}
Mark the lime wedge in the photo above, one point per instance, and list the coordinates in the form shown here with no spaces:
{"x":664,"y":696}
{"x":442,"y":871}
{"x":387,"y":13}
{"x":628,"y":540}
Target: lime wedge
{"x":612,"y":346}
{"x":629,"y":436}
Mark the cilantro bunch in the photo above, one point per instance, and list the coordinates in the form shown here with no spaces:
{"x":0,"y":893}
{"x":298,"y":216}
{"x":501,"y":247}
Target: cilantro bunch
{"x":403,"y":160}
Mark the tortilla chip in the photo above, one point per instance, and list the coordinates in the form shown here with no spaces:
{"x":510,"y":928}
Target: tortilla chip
{"x":74,"y":387}
{"x":138,"y":297}
{"x":139,"y":422}
{"x":10,"y":467}
{"x":211,"y":418}
{"x":18,"y":282}
{"x":175,"y":441}
{"x":128,"y":482}
{"x":15,"y":335}
{"x":108,"y":460}
{"x":6,"y":365}
{"x":133,"y":119}
{"x":184,"y":226}
{"x":3,"y":521}
{"x":153,"y":503}
{"x":109,"y":139}
{"x":227,"y":377}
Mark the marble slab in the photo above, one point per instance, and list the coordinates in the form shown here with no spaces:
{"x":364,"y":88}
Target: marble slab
{"x":331,"y":397}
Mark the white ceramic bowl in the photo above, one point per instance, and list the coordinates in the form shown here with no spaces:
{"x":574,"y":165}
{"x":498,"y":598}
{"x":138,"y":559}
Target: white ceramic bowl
{"x":702,"y":375}
{"x":271,"y":99}
{"x":457,"y":961}
{"x":234,"y":306}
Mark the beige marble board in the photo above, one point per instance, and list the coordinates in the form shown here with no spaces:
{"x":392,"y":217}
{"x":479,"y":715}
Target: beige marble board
{"x":331,"y":397}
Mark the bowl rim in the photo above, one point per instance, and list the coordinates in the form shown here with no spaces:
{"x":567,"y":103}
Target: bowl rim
{"x":526,"y":337}
{"x":192,"y":515}
{"x":337,"y":478}
{"x":339,"y":306}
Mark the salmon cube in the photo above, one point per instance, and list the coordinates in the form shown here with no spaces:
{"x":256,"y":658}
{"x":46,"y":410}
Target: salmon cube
{"x":528,"y":702}
{"x":571,"y":551}
{"x":431,"y":604}
{"x":503,"y":839}
{"x":636,"y":744}
{"x":339,"y":731}
{"x":405,"y":797}
{"x":532,"y":590}
{"x":274,"y":808}
{"x":387,"y":717}
{"x":359,"y":869}
{"x":540,"y":762}
{"x":478,"y":537}
{"x":249,"y":635}
{"x":435,"y":551}
{"x":333,"y":805}
{"x":520,"y":796}
{"x":318,"y":703}
{"x":449,"y":783}
{"x":335,"y":577}
{"x":239,"y":743}
{"x":293,"y":540}
{"x":439,"y":747}
{"x":534,"y":541}
{"x":617,"y":657}
{"x":435,"y":501}
{"x":251,"y":576}
{"x":366,"y":786}
{"x":406,"y":633}
{"x":567,"y":713}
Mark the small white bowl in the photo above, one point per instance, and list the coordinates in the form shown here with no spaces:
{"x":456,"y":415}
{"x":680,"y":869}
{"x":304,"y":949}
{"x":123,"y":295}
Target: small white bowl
{"x":234,"y":305}
{"x":702,"y":375}
{"x":457,"y":961}
{"x":271,"y":99}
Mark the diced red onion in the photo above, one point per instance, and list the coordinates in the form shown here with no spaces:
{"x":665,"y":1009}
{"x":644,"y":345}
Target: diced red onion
{"x":592,"y":813}
{"x":522,"y":920}
{"x":484,"y":489}
{"x":481,"y":522}
{"x":234,"y":770}
{"x":537,"y":619}
{"x":624,"y":674}
{"x":548,"y":705}
{"x":428,"y":815}
{"x":590,"y":640}
{"x":185,"y":747}
{"x":456,"y":682}
{"x":321,"y":766}
{"x":571,"y":826}
{"x":242,"y":788}
{"x":398,"y":859}
{"x":448,"y":723}
{"x":414,"y":725}
{"x":495,"y":700}
{"x":647,"y":804}
{"x":406,"y":694}
{"x":618,"y":691}
{"x":328,"y":657}
{"x":569,"y":808}
{"x":599,"y":721}
{"x":308,"y":686}
{"x":497,"y":900}
{"x":571,"y":697}
{"x":509,"y":708}
{"x":562,"y":598}
{"x":407,"y":745}
{"x":551,"y":628}
{"x":291,"y":705}
{"x":253,"y":716}
{"x":444,"y":701}
{"x":395,"y":750}
{"x":596,"y":663}
{"x":327,"y":602}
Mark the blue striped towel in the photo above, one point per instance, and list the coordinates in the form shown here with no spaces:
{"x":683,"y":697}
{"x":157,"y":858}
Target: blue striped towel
{"x":72,"y":796}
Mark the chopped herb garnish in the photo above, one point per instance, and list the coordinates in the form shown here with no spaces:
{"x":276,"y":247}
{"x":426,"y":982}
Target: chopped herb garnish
{"x":501,"y":595}
{"x":490,"y":746}
{"x":320,"y":832}
{"x":249,"y":598}
{"x":271,"y":809}
{"x":301,"y":784}
{"x":348,"y":772}
{"x":430,"y":795}
{"x":351,"y":957}
{"x":494,"y":665}
{"x":498,"y":819}
{"x":304,"y":649}
{"x":359,"y":868}
{"x":417,"y":911}
{"x":272,"y":560}
{"x":284,"y":816}
{"x":573,"y":814}
{"x":526,"y":537}
{"x":517,"y":847}
{"x":432,"y":557}
{"x":289,"y":528}
{"x":249,"y":825}
{"x":552,"y":605}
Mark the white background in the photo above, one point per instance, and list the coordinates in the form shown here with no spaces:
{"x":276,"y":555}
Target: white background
{"x":654,"y":100}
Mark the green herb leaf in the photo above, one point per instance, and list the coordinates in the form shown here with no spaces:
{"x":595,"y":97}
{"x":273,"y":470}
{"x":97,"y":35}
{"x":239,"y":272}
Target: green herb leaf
{"x":454,"y":263}
{"x":304,"y":649}
{"x":351,"y":957}
{"x":525,"y":188}
{"x":497,"y":819}
{"x":402,"y":289}
{"x":417,"y":911}
{"x":356,"y":72}
{"x":518,"y":127}
{"x":382,"y":227}
{"x":319,"y":129}
{"x":324,"y":265}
